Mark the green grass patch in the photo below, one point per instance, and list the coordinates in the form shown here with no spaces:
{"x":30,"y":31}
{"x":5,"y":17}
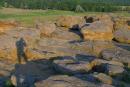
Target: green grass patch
{"x":28,"y":17}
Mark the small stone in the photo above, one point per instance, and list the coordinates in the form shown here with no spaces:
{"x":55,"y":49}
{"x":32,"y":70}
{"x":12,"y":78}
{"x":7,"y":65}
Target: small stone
{"x":98,"y":30}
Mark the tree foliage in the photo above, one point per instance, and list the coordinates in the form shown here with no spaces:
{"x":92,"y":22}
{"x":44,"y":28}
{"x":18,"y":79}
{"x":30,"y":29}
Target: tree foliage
{"x":87,"y":5}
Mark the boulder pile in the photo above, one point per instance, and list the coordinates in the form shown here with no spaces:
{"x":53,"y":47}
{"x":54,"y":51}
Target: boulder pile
{"x":73,"y":51}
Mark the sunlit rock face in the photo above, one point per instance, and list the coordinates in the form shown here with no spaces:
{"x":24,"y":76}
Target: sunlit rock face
{"x":8,"y":47}
{"x":70,"y":21}
{"x":68,"y":53}
{"x":98,"y":31}
{"x":46,"y":28}
{"x":5,"y":26}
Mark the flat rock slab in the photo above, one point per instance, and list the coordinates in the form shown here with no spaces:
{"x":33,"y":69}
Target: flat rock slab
{"x":64,"y":81}
{"x":70,"y":65}
{"x":104,"y":78}
{"x":114,"y":69}
{"x":116,"y":54}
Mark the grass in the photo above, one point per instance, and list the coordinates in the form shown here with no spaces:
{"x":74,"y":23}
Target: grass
{"x":29,"y":17}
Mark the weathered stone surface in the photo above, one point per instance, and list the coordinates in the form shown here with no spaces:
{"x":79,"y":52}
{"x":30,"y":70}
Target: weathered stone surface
{"x":5,"y":68}
{"x":120,"y":22}
{"x":106,"y":85}
{"x":117,"y":54}
{"x":92,"y":78}
{"x":96,"y":47}
{"x":30,"y":35}
{"x":93,"y":47}
{"x":96,"y":62}
{"x":70,"y":21}
{"x":122,"y":35}
{"x":100,"y":65}
{"x":114,"y":69}
{"x":104,"y":78}
{"x":65,"y":35}
{"x":62,"y":44}
{"x":46,"y":28}
{"x":5,"y":26}
{"x":8,"y":47}
{"x":87,"y":77}
{"x":33,"y":53}
{"x":107,"y":18}
{"x":98,"y":30}
{"x":69,"y":65}
{"x":64,"y":81}
{"x":25,"y":75}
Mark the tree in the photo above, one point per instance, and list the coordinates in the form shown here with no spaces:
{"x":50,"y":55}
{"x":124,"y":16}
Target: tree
{"x":79,"y":9}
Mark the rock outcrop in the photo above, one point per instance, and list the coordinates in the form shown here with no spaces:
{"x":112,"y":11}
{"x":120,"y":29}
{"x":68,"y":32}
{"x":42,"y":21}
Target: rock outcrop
{"x":104,"y":78}
{"x":122,"y":35}
{"x":8,"y":47}
{"x":96,"y":47}
{"x":70,"y":21}
{"x":121,"y":22}
{"x":117,"y":54}
{"x":64,"y":81}
{"x":114,"y":70}
{"x":5,"y":26}
{"x":69,"y":65}
{"x":98,"y":30}
{"x":46,"y":28}
{"x":56,"y":55}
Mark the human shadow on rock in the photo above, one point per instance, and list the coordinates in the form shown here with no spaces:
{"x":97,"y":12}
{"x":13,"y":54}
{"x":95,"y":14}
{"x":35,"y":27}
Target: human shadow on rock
{"x":27,"y":74}
{"x":20,"y":46}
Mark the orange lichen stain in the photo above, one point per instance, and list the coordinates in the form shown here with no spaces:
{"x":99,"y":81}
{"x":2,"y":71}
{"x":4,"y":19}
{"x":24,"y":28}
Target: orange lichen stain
{"x":6,"y":26}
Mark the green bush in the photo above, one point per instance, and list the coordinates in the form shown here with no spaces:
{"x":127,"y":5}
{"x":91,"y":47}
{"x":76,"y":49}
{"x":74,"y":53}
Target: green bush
{"x":8,"y":84}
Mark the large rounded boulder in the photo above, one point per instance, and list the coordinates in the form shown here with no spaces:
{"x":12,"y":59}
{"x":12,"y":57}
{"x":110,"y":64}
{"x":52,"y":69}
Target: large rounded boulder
{"x":98,"y":30}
